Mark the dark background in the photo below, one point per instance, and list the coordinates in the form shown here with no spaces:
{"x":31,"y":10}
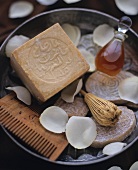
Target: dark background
{"x":11,"y":156}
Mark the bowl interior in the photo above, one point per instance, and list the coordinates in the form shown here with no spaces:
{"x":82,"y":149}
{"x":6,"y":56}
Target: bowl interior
{"x":86,"y":20}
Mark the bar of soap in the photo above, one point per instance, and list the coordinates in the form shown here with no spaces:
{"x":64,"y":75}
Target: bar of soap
{"x":48,"y":62}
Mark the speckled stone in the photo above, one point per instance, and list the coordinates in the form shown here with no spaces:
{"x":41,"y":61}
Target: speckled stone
{"x":119,"y":132}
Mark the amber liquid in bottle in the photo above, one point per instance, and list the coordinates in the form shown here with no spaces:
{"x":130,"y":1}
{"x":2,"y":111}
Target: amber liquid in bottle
{"x":110,"y":58}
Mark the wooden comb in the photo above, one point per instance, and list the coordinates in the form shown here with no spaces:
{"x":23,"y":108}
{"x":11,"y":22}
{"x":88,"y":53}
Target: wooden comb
{"x":24,"y":123}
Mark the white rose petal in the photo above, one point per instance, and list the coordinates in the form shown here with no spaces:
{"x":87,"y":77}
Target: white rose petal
{"x":113,"y":148}
{"x":20,"y":9}
{"x":47,"y":2}
{"x":73,"y":32}
{"x":80,"y":132}
{"x":15,"y":42}
{"x":54,"y":119}
{"x":115,"y":168}
{"x":71,"y":1}
{"x":129,"y":7}
{"x":103,"y":34}
{"x":69,"y":92}
{"x":128,"y":89}
{"x":22,"y":94}
{"x":89,"y":58}
{"x":134,"y":166}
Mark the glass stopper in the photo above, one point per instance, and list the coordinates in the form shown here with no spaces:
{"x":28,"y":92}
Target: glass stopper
{"x":124,"y":24}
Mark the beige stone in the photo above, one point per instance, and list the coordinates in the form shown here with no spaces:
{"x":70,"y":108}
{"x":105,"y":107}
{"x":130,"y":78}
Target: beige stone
{"x":123,"y":128}
{"x":48,"y":62}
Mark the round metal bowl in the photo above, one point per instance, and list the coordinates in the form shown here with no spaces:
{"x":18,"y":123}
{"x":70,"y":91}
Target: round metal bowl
{"x":87,"y":20}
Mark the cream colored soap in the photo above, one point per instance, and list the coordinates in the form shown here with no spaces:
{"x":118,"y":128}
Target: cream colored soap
{"x":48,"y":62}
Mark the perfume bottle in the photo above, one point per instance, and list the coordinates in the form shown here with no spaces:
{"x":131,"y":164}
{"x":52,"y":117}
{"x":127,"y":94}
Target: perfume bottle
{"x":110,"y":59}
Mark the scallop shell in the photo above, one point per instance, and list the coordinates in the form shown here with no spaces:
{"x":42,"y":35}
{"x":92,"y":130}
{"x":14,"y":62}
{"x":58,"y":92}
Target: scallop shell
{"x":105,"y":86}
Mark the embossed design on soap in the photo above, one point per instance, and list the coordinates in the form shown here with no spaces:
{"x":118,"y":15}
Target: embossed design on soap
{"x":53,"y":59}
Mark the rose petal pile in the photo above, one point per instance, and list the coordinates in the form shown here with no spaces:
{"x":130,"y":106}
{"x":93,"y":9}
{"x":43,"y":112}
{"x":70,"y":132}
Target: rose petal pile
{"x":80,"y":131}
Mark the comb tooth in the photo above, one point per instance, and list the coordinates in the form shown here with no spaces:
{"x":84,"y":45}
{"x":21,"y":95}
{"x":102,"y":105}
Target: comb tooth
{"x":26,"y":134}
{"x":23,"y":130}
{"x":26,"y":126}
{"x":42,"y":147}
{"x":19,"y":129}
{"x":36,"y":141}
{"x":8,"y":123}
{"x":50,"y":152}
{"x":2,"y":111}
{"x":6,"y":119}
{"x":49,"y":149}
{"x":0,"y":107}
{"x":34,"y":137}
{"x":4,"y":114}
{"x":15,"y":125}
{"x":46,"y":149}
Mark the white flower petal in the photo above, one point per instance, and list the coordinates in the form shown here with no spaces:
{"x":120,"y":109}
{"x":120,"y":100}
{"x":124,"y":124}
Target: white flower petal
{"x":73,"y":32}
{"x":113,"y":148}
{"x":115,"y":168}
{"x":89,"y":58}
{"x":69,"y":92}
{"x":47,"y":2}
{"x":128,"y":89}
{"x":54,"y":119}
{"x":80,"y":131}
{"x":71,"y":1}
{"x":20,"y":9}
{"x":103,"y":34}
{"x":129,"y":7}
{"x":15,"y":42}
{"x":22,"y":94}
{"x":134,"y":166}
